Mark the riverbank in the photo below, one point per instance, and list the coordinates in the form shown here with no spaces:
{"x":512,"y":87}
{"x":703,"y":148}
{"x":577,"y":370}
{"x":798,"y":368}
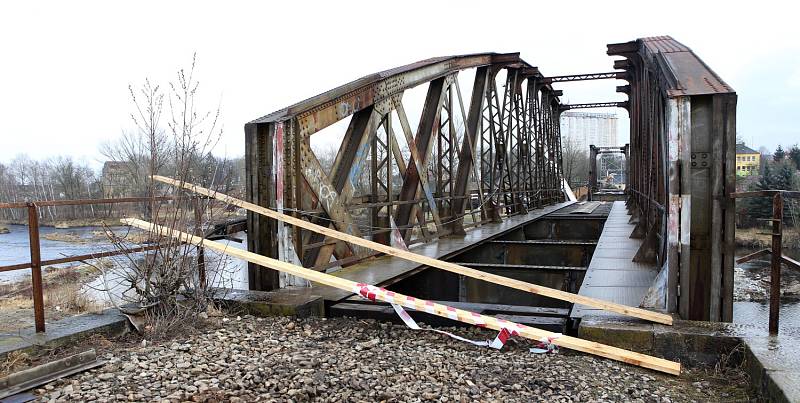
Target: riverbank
{"x":63,"y":224}
{"x":97,"y":236}
{"x":759,"y":238}
{"x":752,"y":284}
{"x":63,"y":295}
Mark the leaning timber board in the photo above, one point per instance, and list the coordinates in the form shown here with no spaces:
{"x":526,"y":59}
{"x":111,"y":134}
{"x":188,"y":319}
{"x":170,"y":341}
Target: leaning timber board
{"x":381,"y":294}
{"x":432,"y":262}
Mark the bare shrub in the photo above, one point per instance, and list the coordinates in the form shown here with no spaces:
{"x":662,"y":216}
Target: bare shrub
{"x":169,"y":285}
{"x":13,"y":362}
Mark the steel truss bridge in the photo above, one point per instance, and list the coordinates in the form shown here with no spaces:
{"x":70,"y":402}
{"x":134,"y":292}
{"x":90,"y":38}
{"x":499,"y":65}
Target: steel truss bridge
{"x":485,"y":153}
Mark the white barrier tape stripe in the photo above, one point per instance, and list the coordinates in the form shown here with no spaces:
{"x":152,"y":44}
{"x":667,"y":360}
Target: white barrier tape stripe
{"x":429,"y":308}
{"x":407,"y":319}
{"x":396,"y":238}
{"x":501,"y":339}
{"x":410,"y":322}
{"x":546,"y":344}
{"x":507,"y":329}
{"x":474,"y":342}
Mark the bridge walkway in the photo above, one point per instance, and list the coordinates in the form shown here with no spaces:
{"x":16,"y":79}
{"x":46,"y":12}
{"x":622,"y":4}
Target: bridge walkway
{"x":612,"y":274}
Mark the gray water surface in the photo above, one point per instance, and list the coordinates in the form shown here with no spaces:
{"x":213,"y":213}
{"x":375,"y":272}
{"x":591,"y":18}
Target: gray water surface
{"x":756,"y":313}
{"x":15,"y":247}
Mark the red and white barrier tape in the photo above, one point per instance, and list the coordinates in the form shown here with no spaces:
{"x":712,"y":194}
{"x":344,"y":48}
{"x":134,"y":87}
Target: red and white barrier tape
{"x":509,"y":328}
{"x":546,"y":345}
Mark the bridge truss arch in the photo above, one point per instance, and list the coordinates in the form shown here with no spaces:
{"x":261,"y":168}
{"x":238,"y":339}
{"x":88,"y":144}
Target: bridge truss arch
{"x":475,"y":157}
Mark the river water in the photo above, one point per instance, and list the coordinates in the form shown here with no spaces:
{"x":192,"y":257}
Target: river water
{"x":756,"y":313}
{"x":15,"y":248}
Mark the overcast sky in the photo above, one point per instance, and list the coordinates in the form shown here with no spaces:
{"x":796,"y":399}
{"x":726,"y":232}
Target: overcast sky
{"x":65,"y":66}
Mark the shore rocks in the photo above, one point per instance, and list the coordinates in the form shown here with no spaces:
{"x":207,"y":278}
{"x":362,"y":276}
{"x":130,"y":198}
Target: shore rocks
{"x":343,"y":360}
{"x":753,"y":284}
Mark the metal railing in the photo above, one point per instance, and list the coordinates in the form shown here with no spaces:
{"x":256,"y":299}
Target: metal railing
{"x":776,"y":252}
{"x":36,"y":263}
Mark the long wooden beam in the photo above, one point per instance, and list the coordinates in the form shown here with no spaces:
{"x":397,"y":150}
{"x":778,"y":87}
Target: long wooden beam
{"x":428,"y":261}
{"x":574,"y":343}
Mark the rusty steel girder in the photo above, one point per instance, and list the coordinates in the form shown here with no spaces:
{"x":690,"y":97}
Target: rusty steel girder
{"x":621,"y":75}
{"x":469,"y":162}
{"x":567,"y":107}
{"x":682,"y":172}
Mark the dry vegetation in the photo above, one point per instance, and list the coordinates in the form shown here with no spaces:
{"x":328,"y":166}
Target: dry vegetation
{"x":759,"y":238}
{"x":63,"y":296}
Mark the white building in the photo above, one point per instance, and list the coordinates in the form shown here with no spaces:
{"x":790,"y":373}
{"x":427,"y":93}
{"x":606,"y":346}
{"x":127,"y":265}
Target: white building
{"x":582,"y":129}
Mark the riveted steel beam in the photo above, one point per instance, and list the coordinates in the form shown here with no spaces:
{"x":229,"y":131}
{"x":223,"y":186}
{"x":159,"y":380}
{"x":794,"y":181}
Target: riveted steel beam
{"x":617,"y":75}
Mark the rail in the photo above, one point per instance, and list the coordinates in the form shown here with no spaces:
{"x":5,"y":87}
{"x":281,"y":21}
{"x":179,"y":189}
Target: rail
{"x":776,"y":252}
{"x":36,"y":263}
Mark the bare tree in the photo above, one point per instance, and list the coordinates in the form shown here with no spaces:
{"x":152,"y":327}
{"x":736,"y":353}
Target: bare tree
{"x":575,"y":163}
{"x":170,"y":284}
{"x":144,"y":151}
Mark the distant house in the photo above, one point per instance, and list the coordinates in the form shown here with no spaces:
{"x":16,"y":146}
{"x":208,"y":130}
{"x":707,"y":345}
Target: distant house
{"x":116,"y":181}
{"x":747,"y":160}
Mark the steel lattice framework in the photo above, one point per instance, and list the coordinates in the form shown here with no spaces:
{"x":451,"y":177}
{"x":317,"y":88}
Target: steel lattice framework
{"x":498,"y":153}
{"x":470,"y":161}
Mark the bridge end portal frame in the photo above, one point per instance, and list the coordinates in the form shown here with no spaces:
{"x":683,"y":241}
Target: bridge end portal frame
{"x":682,"y":172}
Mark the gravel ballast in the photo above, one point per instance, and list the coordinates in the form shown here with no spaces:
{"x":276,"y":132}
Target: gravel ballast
{"x":349,"y":360}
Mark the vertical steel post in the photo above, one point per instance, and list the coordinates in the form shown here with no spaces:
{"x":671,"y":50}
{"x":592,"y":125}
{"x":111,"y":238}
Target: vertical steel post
{"x":36,"y":267}
{"x":198,"y":231}
{"x":777,"y":252}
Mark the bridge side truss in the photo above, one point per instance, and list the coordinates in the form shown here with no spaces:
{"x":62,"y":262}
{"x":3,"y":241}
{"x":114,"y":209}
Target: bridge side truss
{"x":469,"y":162}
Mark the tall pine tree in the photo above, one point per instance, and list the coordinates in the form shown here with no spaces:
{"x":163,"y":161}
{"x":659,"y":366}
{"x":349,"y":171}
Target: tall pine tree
{"x":794,"y":156}
{"x":779,"y":154}
{"x":780,"y":175}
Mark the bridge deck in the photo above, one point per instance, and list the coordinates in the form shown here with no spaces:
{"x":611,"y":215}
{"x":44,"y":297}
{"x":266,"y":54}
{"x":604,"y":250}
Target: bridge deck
{"x":612,"y":275}
{"x":381,"y":270}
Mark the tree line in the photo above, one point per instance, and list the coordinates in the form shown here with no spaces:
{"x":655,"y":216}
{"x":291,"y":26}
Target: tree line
{"x":61,"y":178}
{"x":25,"y":179}
{"x":781,"y":171}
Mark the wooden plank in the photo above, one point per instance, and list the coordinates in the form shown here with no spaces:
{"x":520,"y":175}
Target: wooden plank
{"x":425,"y":260}
{"x":574,"y":343}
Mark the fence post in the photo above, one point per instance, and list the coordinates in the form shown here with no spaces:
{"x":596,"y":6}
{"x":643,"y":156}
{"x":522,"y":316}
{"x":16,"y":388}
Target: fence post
{"x":198,"y":231}
{"x":36,"y":267}
{"x":777,"y":253}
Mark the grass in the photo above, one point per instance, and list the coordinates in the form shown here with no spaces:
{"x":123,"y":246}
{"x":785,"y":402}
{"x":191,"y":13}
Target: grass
{"x":759,"y":238}
{"x":14,"y":361}
{"x":63,"y":296}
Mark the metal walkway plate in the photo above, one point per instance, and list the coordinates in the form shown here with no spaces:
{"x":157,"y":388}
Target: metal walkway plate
{"x":612,"y":274}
